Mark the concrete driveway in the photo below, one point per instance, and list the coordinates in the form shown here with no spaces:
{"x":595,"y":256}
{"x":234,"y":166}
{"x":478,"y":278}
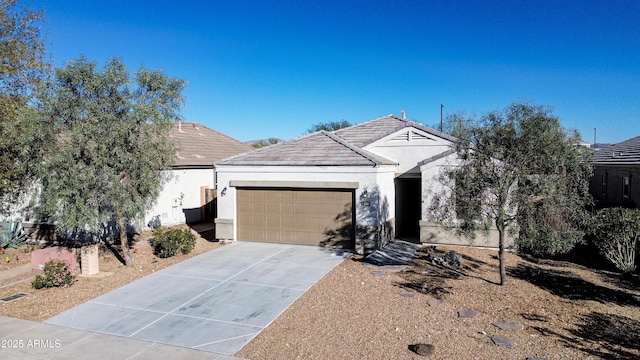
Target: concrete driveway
{"x":215,"y":302}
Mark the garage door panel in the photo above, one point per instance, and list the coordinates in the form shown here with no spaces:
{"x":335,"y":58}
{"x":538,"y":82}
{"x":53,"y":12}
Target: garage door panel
{"x":286,"y":208}
{"x":301,"y":208}
{"x":287,"y":222}
{"x":295,"y":216}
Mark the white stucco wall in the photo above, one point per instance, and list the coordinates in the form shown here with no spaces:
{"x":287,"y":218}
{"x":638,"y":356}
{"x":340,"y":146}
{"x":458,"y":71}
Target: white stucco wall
{"x":181,"y":194}
{"x":430,"y":183}
{"x":376,"y":180}
{"x":409,"y":153}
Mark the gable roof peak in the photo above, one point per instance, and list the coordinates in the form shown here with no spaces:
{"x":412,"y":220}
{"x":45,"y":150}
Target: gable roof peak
{"x":368,"y":132}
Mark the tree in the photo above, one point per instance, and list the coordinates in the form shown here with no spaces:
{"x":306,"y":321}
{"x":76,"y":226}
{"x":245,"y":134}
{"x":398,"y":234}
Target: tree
{"x":262,"y":143}
{"x":328,"y":126}
{"x":456,"y":124}
{"x":110,"y":144}
{"x":518,"y":168}
{"x":23,"y":66}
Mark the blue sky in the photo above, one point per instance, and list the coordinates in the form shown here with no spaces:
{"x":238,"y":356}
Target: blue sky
{"x":258,"y":69}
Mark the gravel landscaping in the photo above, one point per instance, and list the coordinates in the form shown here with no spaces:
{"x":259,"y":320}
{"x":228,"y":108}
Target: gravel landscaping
{"x":550,"y":310}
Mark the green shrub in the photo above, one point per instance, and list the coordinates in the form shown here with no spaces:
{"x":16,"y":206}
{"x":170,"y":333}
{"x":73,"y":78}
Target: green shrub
{"x":56,"y":273}
{"x":167,"y":243}
{"x":616,"y":233}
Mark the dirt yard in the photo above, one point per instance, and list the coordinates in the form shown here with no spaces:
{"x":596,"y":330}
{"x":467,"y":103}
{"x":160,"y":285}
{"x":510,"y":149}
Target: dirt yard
{"x":358,"y":312}
{"x":559,"y":310}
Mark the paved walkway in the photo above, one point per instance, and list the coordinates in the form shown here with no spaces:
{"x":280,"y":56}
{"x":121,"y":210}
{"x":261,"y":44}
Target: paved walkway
{"x":215,"y":302}
{"x":29,"y":340}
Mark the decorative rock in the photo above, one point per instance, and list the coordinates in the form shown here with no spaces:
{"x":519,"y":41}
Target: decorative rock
{"x":423,"y":349}
{"x":502,"y":341}
{"x":453,"y":258}
{"x":435,"y":302}
{"x":509,"y":325}
{"x":407,"y":294}
{"x":467,"y":313}
{"x":378,"y":273}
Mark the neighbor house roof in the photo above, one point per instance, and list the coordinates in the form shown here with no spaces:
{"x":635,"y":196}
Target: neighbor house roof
{"x":199,"y":145}
{"x":341,"y":147}
{"x":624,"y":153}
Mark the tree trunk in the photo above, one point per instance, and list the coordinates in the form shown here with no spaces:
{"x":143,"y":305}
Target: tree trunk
{"x":503,"y":272}
{"x":124,"y":241}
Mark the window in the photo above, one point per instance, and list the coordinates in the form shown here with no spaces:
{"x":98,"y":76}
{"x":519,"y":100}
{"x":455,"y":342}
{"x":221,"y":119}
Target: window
{"x":625,"y":189}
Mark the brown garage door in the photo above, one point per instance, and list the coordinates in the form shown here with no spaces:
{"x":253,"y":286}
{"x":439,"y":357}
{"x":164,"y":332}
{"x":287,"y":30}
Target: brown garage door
{"x":296,"y":216}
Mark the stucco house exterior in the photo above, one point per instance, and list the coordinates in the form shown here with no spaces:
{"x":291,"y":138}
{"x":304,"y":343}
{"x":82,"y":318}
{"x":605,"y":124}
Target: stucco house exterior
{"x":616,"y":176}
{"x":188,"y":196}
{"x":354,"y":188}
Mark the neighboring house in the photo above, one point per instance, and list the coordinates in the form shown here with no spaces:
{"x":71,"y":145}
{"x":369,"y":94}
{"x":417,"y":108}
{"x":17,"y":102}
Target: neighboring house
{"x":188,"y":196}
{"x":616,"y":176}
{"x":355,"y":188}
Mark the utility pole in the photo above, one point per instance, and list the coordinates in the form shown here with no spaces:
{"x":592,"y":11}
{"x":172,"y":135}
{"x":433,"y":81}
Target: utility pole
{"x":441,"y":107}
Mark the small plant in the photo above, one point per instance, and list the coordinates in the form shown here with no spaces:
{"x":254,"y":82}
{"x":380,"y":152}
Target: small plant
{"x":616,"y":234}
{"x":56,"y":274}
{"x":12,"y":234}
{"x":167,"y":243}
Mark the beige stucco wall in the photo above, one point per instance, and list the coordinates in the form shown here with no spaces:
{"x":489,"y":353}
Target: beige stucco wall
{"x":432,"y":233}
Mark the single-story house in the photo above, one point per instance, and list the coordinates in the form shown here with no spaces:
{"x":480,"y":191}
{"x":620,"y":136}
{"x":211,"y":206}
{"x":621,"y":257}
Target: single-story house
{"x":189,"y":195}
{"x":356,"y":187}
{"x":616,"y":177}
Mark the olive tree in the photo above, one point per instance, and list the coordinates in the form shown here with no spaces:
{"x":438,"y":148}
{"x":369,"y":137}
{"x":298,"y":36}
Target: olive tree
{"x":109,"y":132}
{"x":518,"y":170}
{"x":22,"y":67}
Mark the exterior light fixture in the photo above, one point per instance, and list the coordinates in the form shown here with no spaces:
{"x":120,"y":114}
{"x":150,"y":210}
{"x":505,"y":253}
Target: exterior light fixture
{"x":364,"y":195}
{"x":224,"y":192}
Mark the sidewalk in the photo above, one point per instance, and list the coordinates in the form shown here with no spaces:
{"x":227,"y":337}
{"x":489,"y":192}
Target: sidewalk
{"x":8,"y":274}
{"x":29,"y":340}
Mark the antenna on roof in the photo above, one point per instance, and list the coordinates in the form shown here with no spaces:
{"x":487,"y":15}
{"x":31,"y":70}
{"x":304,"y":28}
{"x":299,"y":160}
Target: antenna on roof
{"x":594,"y":136}
{"x":441,"y":107}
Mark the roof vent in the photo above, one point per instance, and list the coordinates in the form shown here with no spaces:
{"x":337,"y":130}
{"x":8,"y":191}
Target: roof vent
{"x":617,"y":154}
{"x":404,"y":114}
{"x":180,"y":125}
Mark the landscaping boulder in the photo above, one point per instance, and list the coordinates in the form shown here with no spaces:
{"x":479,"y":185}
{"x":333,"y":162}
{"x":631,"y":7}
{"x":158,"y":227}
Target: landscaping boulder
{"x":423,"y":349}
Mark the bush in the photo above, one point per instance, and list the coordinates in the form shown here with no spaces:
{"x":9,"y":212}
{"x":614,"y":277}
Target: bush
{"x":167,"y":243}
{"x":616,"y":233}
{"x":56,"y":273}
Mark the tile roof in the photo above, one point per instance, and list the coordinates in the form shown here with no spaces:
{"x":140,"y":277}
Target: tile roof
{"x":199,"y":145}
{"x":317,"y":149}
{"x":624,"y":153}
{"x":340,"y":147}
{"x":371,"y":131}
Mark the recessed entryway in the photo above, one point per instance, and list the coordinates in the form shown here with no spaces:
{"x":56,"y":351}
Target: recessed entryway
{"x":408,"y":208}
